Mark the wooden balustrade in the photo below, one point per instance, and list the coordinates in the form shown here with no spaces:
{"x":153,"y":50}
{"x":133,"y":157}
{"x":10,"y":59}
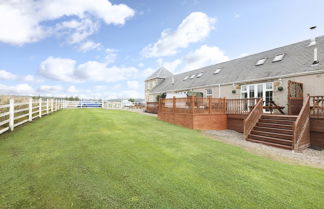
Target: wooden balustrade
{"x":152,"y":107}
{"x":317,"y":106}
{"x":193,"y":104}
{"x":253,"y":117}
{"x":301,"y":135}
{"x":208,"y":105}
{"x":240,"y":106}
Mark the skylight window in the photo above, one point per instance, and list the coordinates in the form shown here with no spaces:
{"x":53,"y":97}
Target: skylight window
{"x":217,"y":71}
{"x":199,"y":75}
{"x":261,"y":61}
{"x":192,"y":76}
{"x":185,"y":78}
{"x":278,"y":58}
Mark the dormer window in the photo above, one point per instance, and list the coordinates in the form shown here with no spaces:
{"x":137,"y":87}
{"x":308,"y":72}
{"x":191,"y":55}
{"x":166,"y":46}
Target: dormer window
{"x":261,"y":61}
{"x":185,"y":78}
{"x":192,"y":76}
{"x":199,"y":75}
{"x":278,"y":58}
{"x":217,"y":71}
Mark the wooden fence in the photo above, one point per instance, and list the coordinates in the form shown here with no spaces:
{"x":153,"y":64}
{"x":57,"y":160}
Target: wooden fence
{"x":207,"y":105}
{"x":15,"y":114}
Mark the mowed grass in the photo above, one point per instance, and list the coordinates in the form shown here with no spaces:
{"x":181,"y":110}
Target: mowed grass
{"x":94,"y":158}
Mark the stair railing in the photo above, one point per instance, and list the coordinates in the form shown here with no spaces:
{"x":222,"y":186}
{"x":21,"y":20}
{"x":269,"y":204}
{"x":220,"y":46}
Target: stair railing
{"x":301,"y":130}
{"x":253,"y":117}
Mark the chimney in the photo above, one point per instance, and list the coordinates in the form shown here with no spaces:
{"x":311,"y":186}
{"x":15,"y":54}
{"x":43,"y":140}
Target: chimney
{"x":172,"y":80}
{"x":313,"y":43}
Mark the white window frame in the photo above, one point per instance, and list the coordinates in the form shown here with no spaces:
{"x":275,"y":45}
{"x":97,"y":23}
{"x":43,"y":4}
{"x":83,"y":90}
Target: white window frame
{"x":207,"y":94}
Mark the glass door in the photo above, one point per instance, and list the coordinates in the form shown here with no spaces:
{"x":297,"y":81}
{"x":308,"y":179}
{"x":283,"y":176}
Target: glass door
{"x":261,"y":90}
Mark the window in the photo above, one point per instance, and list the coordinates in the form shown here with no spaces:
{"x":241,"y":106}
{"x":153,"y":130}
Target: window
{"x":209,"y":92}
{"x":199,"y":75}
{"x":278,"y":58}
{"x":217,"y":71}
{"x":185,"y":78}
{"x":269,"y":86}
{"x":192,"y":76}
{"x":243,"y":88}
{"x":261,"y":62}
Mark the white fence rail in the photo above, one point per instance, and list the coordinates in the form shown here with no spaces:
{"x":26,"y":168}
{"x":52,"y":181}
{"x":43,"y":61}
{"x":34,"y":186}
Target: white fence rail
{"x":16,"y":114}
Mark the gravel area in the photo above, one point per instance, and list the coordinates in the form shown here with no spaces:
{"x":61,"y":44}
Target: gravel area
{"x":309,"y":157}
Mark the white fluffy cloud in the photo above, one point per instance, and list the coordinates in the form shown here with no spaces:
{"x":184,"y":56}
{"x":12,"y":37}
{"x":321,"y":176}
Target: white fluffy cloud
{"x":61,"y":69}
{"x":133,"y":84}
{"x":50,"y":89}
{"x":192,"y":29}
{"x":201,"y":57}
{"x":21,"y":89}
{"x":58,"y":69}
{"x":89,"y":45}
{"x":26,"y":21}
{"x":5,"y":75}
{"x":204,"y":56}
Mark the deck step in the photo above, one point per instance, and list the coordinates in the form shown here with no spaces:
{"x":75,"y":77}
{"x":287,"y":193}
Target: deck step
{"x":270,"y":144}
{"x":272,"y":134}
{"x":277,"y":121}
{"x":280,"y":117}
{"x":274,"y":130}
{"x":270,"y":139}
{"x":273,"y":125}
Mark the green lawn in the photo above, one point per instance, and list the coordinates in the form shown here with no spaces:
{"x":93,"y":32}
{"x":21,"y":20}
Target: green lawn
{"x":94,"y":158}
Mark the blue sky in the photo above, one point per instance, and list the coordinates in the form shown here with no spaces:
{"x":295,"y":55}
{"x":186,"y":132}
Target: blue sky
{"x":106,"y":49}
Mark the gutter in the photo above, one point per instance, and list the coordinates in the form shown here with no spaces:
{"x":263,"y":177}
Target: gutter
{"x":252,"y":80}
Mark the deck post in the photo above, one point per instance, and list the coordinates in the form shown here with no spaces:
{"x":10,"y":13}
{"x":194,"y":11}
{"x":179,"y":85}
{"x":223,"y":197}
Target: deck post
{"x":209,"y":104}
{"x":30,"y":111}
{"x":160,"y":104}
{"x":174,"y":104}
{"x":40,"y":107}
{"x":192,"y":104}
{"x":11,"y":114}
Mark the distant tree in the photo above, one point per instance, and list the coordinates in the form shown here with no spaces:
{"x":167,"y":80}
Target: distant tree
{"x":131,"y":100}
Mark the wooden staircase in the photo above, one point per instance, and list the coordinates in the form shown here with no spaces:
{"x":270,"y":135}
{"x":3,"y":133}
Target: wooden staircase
{"x":274,"y":130}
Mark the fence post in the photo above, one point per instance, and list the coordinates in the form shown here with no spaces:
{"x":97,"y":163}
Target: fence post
{"x":52,"y":105}
{"x":46,"y":106}
{"x":11,"y":114}
{"x":30,"y":109}
{"x":40,"y":107}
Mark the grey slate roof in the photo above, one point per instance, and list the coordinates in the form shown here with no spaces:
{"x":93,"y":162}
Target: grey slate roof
{"x":160,"y":73}
{"x":298,"y":58}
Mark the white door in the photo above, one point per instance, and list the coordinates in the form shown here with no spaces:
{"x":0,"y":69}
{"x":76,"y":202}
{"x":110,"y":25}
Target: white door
{"x":261,"y":90}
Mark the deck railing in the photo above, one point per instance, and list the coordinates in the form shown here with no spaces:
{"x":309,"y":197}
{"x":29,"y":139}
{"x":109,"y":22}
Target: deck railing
{"x":193,"y":105}
{"x":240,"y":106}
{"x":208,"y":105}
{"x":301,"y":133}
{"x":253,"y":117}
{"x":152,"y":107}
{"x":317,"y":106}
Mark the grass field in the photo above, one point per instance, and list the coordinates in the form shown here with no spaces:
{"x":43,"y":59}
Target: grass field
{"x":94,"y":158}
